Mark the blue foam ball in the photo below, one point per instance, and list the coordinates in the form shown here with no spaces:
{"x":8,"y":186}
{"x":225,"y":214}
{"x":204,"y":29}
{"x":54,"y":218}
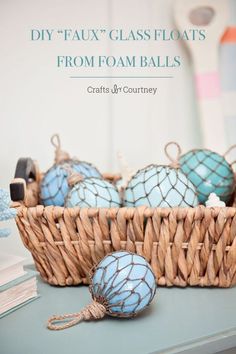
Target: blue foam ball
{"x":54,"y":185}
{"x":124,"y":282}
{"x":160,"y":186}
{"x":93,"y":192}
{"x":209,"y":172}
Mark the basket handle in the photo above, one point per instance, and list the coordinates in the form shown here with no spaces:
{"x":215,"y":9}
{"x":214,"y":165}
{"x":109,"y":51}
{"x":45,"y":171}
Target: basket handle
{"x":25,"y":176}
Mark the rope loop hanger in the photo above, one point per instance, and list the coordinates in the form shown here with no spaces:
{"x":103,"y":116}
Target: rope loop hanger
{"x":174,"y":159}
{"x":60,"y":155}
{"x":93,"y":311}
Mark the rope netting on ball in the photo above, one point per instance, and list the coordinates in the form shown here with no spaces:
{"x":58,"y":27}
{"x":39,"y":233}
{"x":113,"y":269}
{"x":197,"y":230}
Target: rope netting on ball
{"x":93,"y":192}
{"x":210,"y":172}
{"x":122,"y":285}
{"x":119,"y":288}
{"x":160,"y":186}
{"x":54,"y":185}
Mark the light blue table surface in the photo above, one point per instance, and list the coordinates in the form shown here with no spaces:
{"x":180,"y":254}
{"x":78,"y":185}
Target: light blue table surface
{"x":190,"y":320}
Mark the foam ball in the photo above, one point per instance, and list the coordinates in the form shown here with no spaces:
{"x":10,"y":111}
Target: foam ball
{"x":124,"y":282}
{"x":54,"y":185}
{"x":160,"y":186}
{"x":209,"y":172}
{"x":93,"y":192}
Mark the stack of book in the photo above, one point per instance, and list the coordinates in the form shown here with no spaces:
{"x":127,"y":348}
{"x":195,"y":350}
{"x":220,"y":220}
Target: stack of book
{"x":17,"y":286}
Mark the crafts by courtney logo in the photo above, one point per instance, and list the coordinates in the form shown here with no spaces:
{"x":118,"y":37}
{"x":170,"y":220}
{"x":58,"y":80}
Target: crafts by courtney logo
{"x":117,"y":89}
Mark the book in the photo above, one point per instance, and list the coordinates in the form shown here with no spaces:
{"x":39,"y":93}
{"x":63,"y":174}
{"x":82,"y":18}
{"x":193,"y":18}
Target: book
{"x":18,"y":292}
{"x":11,"y":267}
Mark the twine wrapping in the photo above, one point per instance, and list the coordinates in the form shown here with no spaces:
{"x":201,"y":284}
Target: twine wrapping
{"x":74,"y":178}
{"x":93,"y":311}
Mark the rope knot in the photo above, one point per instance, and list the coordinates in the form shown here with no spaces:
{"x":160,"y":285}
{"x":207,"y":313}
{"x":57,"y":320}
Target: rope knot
{"x":93,"y":311}
{"x":74,"y":178}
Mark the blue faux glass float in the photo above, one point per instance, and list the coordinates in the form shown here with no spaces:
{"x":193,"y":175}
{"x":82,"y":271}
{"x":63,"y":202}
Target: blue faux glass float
{"x":91,"y":192}
{"x":209,"y":172}
{"x":122,"y":285}
{"x":160,"y":186}
{"x":54,"y":185}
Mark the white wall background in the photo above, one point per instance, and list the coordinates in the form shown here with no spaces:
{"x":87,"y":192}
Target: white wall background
{"x":37,"y":99}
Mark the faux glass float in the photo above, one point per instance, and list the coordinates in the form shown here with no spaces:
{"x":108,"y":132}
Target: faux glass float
{"x":160,"y":186}
{"x":54,"y":186}
{"x":209,"y":172}
{"x":122,"y":285}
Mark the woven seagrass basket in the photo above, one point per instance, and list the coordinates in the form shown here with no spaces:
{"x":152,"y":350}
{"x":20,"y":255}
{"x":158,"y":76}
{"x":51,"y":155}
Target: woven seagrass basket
{"x":185,"y":246}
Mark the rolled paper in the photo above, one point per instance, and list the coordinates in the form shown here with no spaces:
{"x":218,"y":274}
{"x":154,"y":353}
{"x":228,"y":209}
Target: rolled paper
{"x":227,"y":70}
{"x":229,"y":36}
{"x":207,"y":85}
{"x":228,"y":77}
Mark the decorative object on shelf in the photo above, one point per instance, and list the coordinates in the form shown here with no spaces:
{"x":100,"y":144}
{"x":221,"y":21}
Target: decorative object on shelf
{"x":126,"y":173}
{"x":91,"y":192}
{"x":210,"y":173}
{"x":212,"y":17}
{"x":179,"y":243}
{"x":161,"y":186}
{"x":228,"y":76}
{"x":17,"y":292}
{"x":6,"y":213}
{"x":17,"y":287}
{"x":122,"y":285}
{"x":54,"y":186}
{"x":26,"y":174}
{"x":214,"y":201}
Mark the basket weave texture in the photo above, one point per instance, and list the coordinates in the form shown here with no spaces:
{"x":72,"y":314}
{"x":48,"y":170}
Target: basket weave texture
{"x":185,"y":246}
